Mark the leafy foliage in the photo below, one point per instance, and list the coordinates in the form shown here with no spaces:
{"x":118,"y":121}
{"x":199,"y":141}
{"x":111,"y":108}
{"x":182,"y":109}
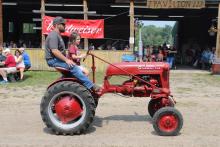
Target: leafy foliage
{"x":152,"y":35}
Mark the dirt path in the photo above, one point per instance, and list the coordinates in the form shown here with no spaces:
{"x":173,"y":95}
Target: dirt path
{"x":119,"y":121}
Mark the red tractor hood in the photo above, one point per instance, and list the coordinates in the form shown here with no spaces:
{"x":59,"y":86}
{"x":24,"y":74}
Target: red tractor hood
{"x":137,"y":68}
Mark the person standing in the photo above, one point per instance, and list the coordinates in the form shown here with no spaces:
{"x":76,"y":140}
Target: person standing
{"x":171,"y":56}
{"x":55,"y":54}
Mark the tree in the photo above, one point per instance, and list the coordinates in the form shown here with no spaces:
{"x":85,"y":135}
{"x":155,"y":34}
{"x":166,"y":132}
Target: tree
{"x":152,"y":35}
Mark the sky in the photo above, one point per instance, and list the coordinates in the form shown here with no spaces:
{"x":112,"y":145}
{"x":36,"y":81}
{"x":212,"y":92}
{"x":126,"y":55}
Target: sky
{"x":159,"y":23}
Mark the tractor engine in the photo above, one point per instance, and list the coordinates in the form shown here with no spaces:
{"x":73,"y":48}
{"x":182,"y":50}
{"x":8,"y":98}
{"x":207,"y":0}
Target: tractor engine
{"x":154,"y":73}
{"x":137,"y":88}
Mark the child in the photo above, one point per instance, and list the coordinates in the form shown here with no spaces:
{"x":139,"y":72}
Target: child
{"x":73,"y":52}
{"x":19,"y":63}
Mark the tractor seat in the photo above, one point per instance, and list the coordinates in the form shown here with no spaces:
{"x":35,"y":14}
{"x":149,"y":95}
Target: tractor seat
{"x":63,"y":70}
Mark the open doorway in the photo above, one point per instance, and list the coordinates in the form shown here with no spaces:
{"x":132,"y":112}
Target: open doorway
{"x":157,"y":33}
{"x":155,"y":39}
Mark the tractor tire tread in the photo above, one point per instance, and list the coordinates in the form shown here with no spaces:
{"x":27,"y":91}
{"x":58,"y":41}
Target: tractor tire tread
{"x":73,"y":87}
{"x":165,"y":110}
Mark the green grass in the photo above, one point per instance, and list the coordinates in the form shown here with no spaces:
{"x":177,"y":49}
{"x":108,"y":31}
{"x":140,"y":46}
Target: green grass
{"x":37,"y":78}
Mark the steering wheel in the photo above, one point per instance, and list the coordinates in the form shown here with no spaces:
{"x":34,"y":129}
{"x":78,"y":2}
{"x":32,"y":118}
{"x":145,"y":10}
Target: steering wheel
{"x":87,"y":53}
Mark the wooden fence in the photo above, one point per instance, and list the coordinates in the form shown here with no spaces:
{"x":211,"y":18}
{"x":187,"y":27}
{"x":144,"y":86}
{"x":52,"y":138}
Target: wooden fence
{"x":38,"y":61}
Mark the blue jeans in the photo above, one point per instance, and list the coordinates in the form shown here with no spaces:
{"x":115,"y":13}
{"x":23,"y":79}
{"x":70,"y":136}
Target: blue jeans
{"x":75,"y":71}
{"x":170,"y":61}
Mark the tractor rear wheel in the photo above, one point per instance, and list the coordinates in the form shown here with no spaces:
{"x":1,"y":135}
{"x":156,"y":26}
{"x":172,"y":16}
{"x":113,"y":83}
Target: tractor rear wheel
{"x":67,"y":108}
{"x":167,"y":121}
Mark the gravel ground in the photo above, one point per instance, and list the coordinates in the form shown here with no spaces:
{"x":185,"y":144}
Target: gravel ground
{"x":119,"y":121}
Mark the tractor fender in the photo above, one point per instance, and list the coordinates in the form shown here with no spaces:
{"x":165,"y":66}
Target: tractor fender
{"x":64,"y":79}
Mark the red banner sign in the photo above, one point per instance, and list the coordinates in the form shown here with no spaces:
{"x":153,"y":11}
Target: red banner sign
{"x":86,"y":28}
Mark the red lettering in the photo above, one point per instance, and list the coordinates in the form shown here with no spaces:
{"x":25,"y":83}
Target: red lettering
{"x":86,"y":28}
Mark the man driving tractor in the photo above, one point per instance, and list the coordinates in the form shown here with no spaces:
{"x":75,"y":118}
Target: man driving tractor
{"x":56,"y":57}
{"x":68,"y":108}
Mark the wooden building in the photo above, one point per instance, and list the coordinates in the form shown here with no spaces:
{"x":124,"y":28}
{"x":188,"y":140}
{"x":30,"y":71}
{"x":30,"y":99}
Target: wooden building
{"x":18,"y":17}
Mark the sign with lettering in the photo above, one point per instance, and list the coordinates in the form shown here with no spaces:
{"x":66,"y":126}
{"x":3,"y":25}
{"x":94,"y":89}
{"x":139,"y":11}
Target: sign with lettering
{"x":86,"y":28}
{"x":175,"y":4}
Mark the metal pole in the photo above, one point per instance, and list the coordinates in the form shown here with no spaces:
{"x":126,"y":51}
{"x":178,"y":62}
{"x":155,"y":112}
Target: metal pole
{"x":140,"y":53}
{"x":218,"y":35}
{"x":85,"y":10}
{"x":42,"y":16}
{"x":131,"y":39}
{"x":1,"y":24}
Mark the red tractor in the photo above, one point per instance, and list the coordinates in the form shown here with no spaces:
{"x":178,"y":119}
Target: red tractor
{"x":68,"y":107}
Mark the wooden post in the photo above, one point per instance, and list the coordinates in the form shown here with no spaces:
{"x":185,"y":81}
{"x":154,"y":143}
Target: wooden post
{"x":1,"y":24}
{"x":42,"y":16}
{"x":216,"y":64}
{"x":131,"y":39}
{"x":85,"y":10}
{"x":218,"y":34}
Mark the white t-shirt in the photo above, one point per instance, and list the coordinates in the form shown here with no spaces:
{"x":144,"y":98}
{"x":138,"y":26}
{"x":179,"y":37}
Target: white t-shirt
{"x":19,"y":64}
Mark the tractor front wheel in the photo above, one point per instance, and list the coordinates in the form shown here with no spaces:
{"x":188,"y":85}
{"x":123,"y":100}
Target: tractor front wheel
{"x":167,"y":121}
{"x":67,"y":108}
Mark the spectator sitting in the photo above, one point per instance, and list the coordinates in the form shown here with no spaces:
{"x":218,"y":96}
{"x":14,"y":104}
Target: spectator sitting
{"x":213,"y":55}
{"x":160,"y":56}
{"x":109,"y":47}
{"x":155,"y":50}
{"x":171,"y":56}
{"x":165,"y":52}
{"x":153,"y":58}
{"x":10,"y":66}
{"x":4,"y":44}
{"x":24,"y":45}
{"x":19,"y":63}
{"x":91,"y":47}
{"x":26,"y":58}
{"x":113,"y":48}
{"x":148,"y":53}
{"x":126,"y":48}
{"x":14,"y":45}
{"x":2,"y":57}
{"x":11,"y":44}
{"x":189,"y":55}
{"x":206,"y":58}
